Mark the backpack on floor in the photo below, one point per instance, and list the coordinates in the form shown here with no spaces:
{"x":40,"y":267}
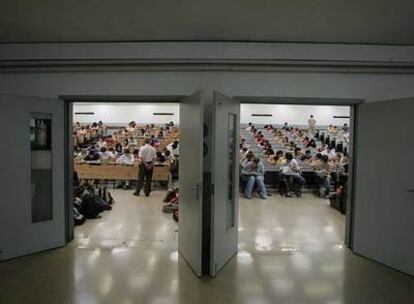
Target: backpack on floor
{"x":89,"y":208}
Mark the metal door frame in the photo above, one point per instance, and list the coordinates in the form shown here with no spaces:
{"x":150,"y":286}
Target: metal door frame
{"x":315,"y":101}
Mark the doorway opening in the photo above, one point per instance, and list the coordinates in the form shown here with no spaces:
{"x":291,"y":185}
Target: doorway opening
{"x":295,"y":162}
{"x":125,"y":165}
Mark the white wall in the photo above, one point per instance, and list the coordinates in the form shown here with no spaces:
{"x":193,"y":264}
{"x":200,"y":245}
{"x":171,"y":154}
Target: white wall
{"x":293,"y":114}
{"x":123,"y":113}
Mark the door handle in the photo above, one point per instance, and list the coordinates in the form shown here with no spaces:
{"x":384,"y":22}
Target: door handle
{"x":195,"y":189}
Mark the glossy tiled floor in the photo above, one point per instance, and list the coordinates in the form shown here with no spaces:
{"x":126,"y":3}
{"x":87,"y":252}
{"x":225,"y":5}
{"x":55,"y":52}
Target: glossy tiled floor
{"x":290,"y":252}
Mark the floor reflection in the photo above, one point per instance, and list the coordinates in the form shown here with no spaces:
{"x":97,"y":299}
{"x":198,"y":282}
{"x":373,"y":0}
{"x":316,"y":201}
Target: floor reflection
{"x":290,"y":251}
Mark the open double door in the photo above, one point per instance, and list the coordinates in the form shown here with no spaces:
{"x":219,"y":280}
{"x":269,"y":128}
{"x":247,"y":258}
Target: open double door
{"x":208,"y":150}
{"x":32,"y":179}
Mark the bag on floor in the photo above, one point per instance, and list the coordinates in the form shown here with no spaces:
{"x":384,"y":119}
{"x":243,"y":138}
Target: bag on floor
{"x":89,"y":208}
{"x":102,"y":205}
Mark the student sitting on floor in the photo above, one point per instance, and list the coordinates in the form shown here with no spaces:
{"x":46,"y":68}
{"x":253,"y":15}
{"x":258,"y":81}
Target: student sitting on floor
{"x":255,"y":172}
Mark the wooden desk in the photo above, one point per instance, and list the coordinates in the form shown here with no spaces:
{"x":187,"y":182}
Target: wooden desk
{"x":119,"y":172}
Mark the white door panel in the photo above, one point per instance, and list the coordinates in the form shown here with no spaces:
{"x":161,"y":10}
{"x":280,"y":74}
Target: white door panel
{"x":384,"y":203}
{"x":226,"y":138}
{"x":31,"y":177}
{"x":191,"y":181}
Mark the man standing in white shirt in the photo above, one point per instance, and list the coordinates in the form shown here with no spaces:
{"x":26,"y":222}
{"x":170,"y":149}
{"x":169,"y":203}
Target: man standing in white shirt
{"x":311,"y":124}
{"x":147,"y":155}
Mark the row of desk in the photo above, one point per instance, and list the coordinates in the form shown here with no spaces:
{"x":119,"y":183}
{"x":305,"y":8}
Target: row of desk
{"x":112,"y":171}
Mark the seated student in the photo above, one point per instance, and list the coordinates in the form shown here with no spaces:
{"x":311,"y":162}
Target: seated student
{"x":269,"y":152}
{"x":79,"y":155}
{"x":115,"y":137}
{"x":258,"y":135}
{"x":311,"y":144}
{"x":119,"y":149}
{"x":291,"y":173}
{"x":285,"y":142}
{"x":160,"y":158}
{"x":92,"y":156}
{"x":255,"y":172}
{"x":124,"y":131}
{"x":285,"y":126}
{"x":249,"y":157}
{"x":77,"y":126}
{"x":307,"y":156}
{"x":329,"y":151}
{"x":101,"y":128}
{"x":131,"y":126}
{"x":243,"y":153}
{"x":243,"y":143}
{"x":298,"y":153}
{"x":344,"y":160}
{"x":142,"y":132}
{"x":106,"y":155}
{"x":306,"y":141}
{"x":315,"y":161}
{"x":249,"y":127}
{"x":262,"y":144}
{"x":324,"y":173}
{"x":278,"y":158}
{"x":168,"y":156}
{"x":101,"y":143}
{"x":125,"y":159}
{"x":335,"y":161}
{"x":125,"y":144}
{"x":174,"y":148}
{"x":132,"y":141}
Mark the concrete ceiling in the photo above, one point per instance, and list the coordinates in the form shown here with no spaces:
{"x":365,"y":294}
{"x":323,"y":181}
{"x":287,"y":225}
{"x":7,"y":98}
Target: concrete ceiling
{"x":344,"y":21}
